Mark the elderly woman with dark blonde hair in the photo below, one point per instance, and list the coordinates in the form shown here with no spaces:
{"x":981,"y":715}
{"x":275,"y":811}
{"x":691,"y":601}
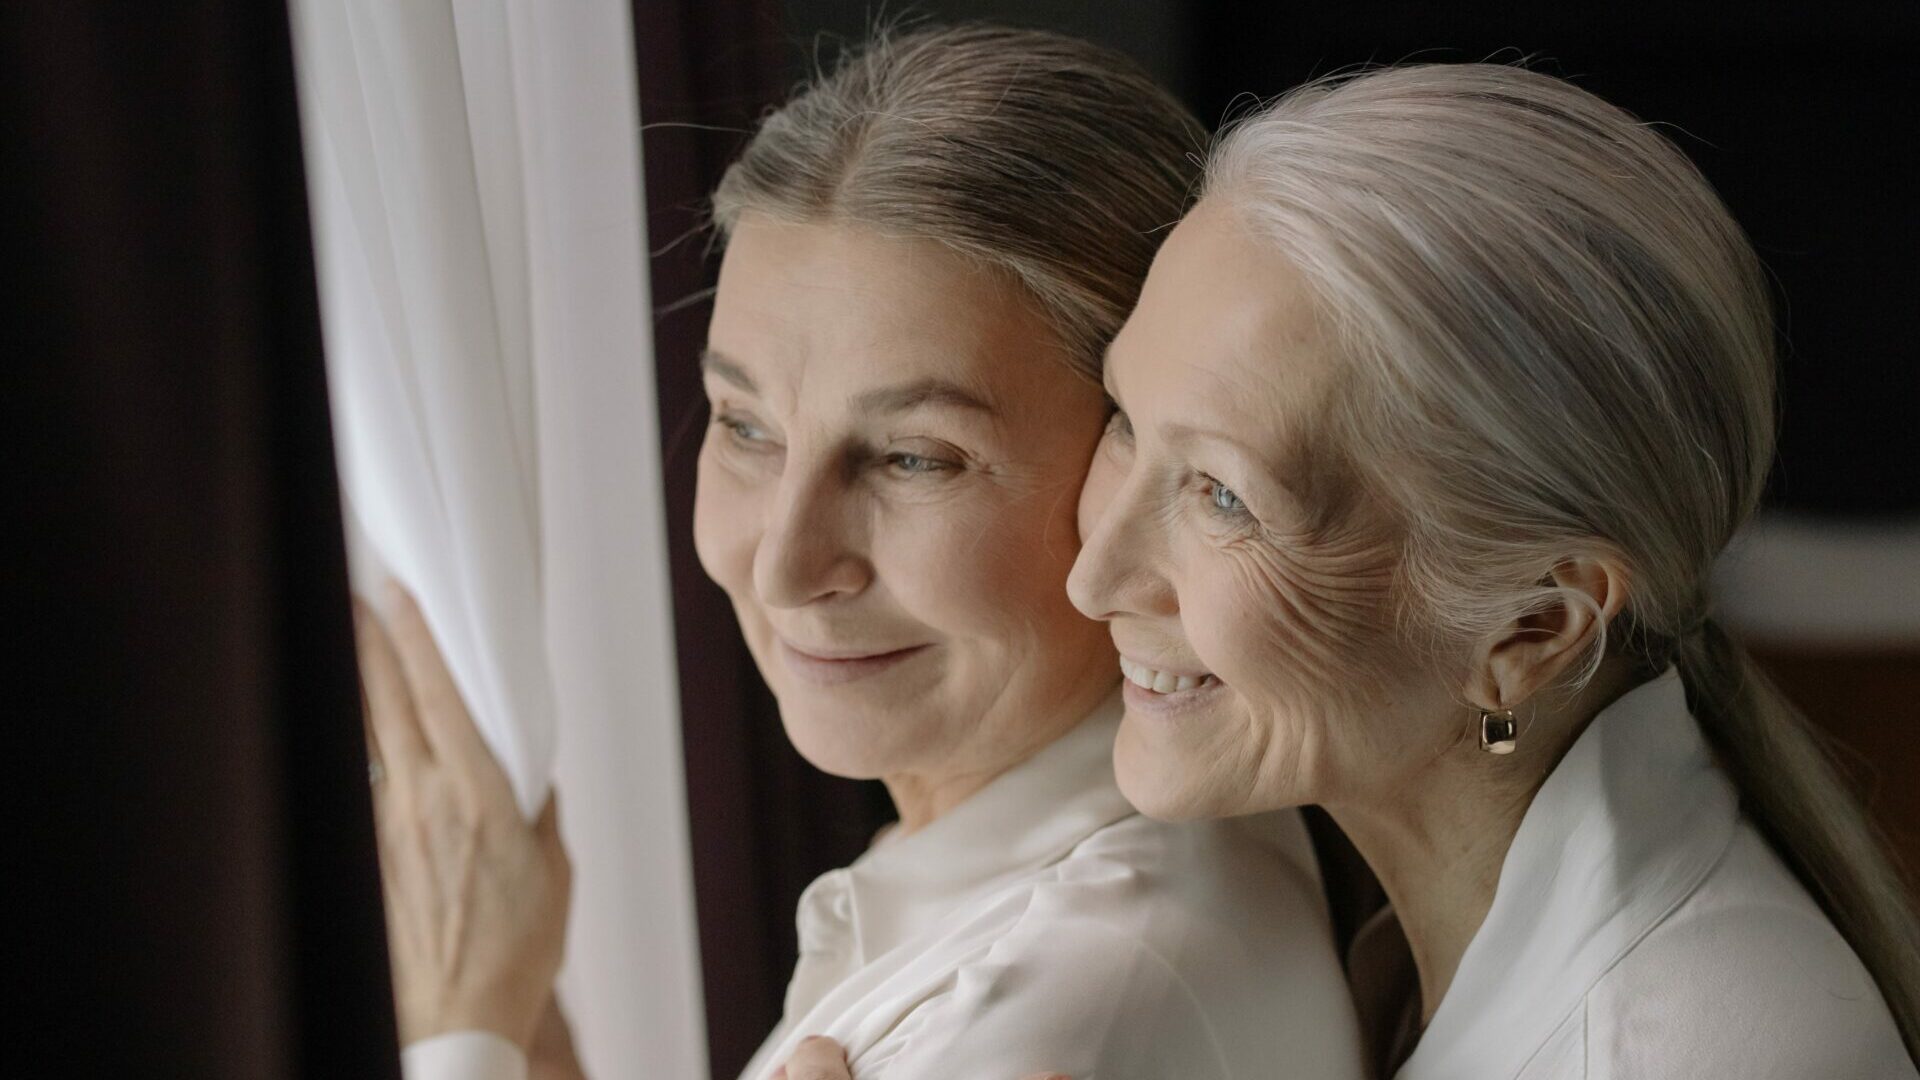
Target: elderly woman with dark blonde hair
{"x":927,"y":252}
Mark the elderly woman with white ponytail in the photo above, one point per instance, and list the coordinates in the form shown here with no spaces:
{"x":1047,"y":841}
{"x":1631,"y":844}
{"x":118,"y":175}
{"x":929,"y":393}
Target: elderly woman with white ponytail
{"x":1432,"y":417}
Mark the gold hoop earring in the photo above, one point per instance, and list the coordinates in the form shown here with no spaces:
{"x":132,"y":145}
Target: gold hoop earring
{"x":1499,"y":731}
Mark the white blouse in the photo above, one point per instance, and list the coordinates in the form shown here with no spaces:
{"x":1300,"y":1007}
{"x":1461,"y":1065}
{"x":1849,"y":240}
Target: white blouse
{"x":1045,"y":924}
{"x":1642,"y":928}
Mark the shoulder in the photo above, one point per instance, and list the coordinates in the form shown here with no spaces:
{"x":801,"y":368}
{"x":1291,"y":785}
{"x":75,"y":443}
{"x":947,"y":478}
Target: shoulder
{"x":1220,"y":903}
{"x":1261,"y":868}
{"x":1151,"y":950}
{"x":1076,"y":997}
{"x":1746,"y":975}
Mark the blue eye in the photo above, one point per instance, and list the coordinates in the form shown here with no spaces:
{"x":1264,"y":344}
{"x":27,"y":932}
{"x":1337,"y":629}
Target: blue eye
{"x":914,"y":463}
{"x":742,"y":430}
{"x":745,"y":435}
{"x":1224,"y":500}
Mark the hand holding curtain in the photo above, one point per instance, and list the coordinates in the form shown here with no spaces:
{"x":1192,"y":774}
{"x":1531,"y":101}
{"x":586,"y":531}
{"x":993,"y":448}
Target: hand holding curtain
{"x":476,"y":896}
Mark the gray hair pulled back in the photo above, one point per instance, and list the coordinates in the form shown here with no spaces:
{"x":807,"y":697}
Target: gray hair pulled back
{"x":1562,"y":346}
{"x":1043,"y":157}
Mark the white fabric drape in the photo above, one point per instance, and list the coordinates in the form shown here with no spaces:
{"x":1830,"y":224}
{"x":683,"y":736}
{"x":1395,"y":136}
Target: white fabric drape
{"x":474,"y":176}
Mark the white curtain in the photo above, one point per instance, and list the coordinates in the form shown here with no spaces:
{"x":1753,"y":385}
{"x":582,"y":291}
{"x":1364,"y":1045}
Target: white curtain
{"x":474,"y":176}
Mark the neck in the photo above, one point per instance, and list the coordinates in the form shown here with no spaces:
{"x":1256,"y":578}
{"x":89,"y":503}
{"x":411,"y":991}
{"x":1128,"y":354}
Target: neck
{"x":922,"y":797}
{"x":920,"y":800}
{"x":1437,"y":848}
{"x":1437,"y":841}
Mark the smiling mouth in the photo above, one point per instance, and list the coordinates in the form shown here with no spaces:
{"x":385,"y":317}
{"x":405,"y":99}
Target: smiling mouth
{"x":1156,"y":681}
{"x":838,"y":670}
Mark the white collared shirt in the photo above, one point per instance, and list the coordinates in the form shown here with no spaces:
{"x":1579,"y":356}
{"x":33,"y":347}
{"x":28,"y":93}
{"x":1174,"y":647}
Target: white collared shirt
{"x":1045,"y":924}
{"x":1642,"y":928}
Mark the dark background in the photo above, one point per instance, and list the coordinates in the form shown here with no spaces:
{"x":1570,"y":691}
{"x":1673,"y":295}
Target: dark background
{"x":188,"y":817}
{"x":189,"y":841}
{"x":1802,"y":115}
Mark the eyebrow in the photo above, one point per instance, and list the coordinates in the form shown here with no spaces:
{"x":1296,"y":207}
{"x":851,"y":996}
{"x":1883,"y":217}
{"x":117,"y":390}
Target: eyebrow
{"x":713,"y":363}
{"x":1187,"y":433}
{"x":922,"y":393}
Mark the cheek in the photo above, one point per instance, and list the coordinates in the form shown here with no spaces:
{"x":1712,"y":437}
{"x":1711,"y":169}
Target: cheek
{"x":1306,"y":641}
{"x":1299,"y":628}
{"x":976,"y":570}
{"x":991,"y":570}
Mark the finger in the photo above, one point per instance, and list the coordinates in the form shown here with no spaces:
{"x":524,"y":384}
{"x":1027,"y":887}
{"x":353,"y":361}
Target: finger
{"x":546,"y":830}
{"x":818,"y":1058}
{"x":444,"y":718}
{"x":548,"y":823}
{"x":396,"y":734}
{"x":376,"y":763}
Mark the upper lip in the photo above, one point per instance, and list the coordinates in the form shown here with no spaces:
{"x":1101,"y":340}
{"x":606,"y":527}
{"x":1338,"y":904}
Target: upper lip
{"x":1166,"y":667}
{"x":843,"y":653}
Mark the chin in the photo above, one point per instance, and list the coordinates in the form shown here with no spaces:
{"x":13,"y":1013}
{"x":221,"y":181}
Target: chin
{"x":840,"y":741}
{"x":1185,"y":772}
{"x":1155,"y":780}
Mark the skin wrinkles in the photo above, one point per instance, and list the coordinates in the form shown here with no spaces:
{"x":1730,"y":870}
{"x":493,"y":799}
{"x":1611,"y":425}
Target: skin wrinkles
{"x":1290,"y":603}
{"x":844,"y":349}
{"x":1326,"y":692}
{"x":1323,"y":607}
{"x":1308,"y":591}
{"x":1292,"y":608}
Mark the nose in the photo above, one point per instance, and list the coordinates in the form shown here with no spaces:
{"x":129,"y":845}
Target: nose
{"x":1121,"y":568}
{"x":809,"y":550}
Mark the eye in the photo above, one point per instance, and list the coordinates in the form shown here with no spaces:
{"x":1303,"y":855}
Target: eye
{"x":742,"y":430}
{"x":916,"y":464}
{"x":1120,"y":426}
{"x":1223,"y":499}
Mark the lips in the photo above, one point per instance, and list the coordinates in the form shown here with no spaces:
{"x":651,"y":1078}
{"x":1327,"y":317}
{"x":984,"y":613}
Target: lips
{"x":1160,"y":695}
{"x":822,"y":666}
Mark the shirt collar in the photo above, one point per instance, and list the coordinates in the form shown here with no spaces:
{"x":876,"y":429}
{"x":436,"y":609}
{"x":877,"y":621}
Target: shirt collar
{"x":1624,"y":829}
{"x":1027,"y":817}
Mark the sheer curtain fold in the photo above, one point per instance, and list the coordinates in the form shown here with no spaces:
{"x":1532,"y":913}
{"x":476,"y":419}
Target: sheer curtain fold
{"x":476,"y":186}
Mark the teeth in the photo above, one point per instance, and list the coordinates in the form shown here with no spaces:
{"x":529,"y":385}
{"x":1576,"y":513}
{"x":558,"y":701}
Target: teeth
{"x":1160,"y":682}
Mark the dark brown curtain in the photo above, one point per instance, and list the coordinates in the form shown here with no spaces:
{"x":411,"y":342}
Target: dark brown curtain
{"x":186,"y":759}
{"x":764,"y":822}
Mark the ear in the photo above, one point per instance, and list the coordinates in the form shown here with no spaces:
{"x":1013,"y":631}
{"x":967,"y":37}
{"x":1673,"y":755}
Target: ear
{"x":1530,"y":655}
